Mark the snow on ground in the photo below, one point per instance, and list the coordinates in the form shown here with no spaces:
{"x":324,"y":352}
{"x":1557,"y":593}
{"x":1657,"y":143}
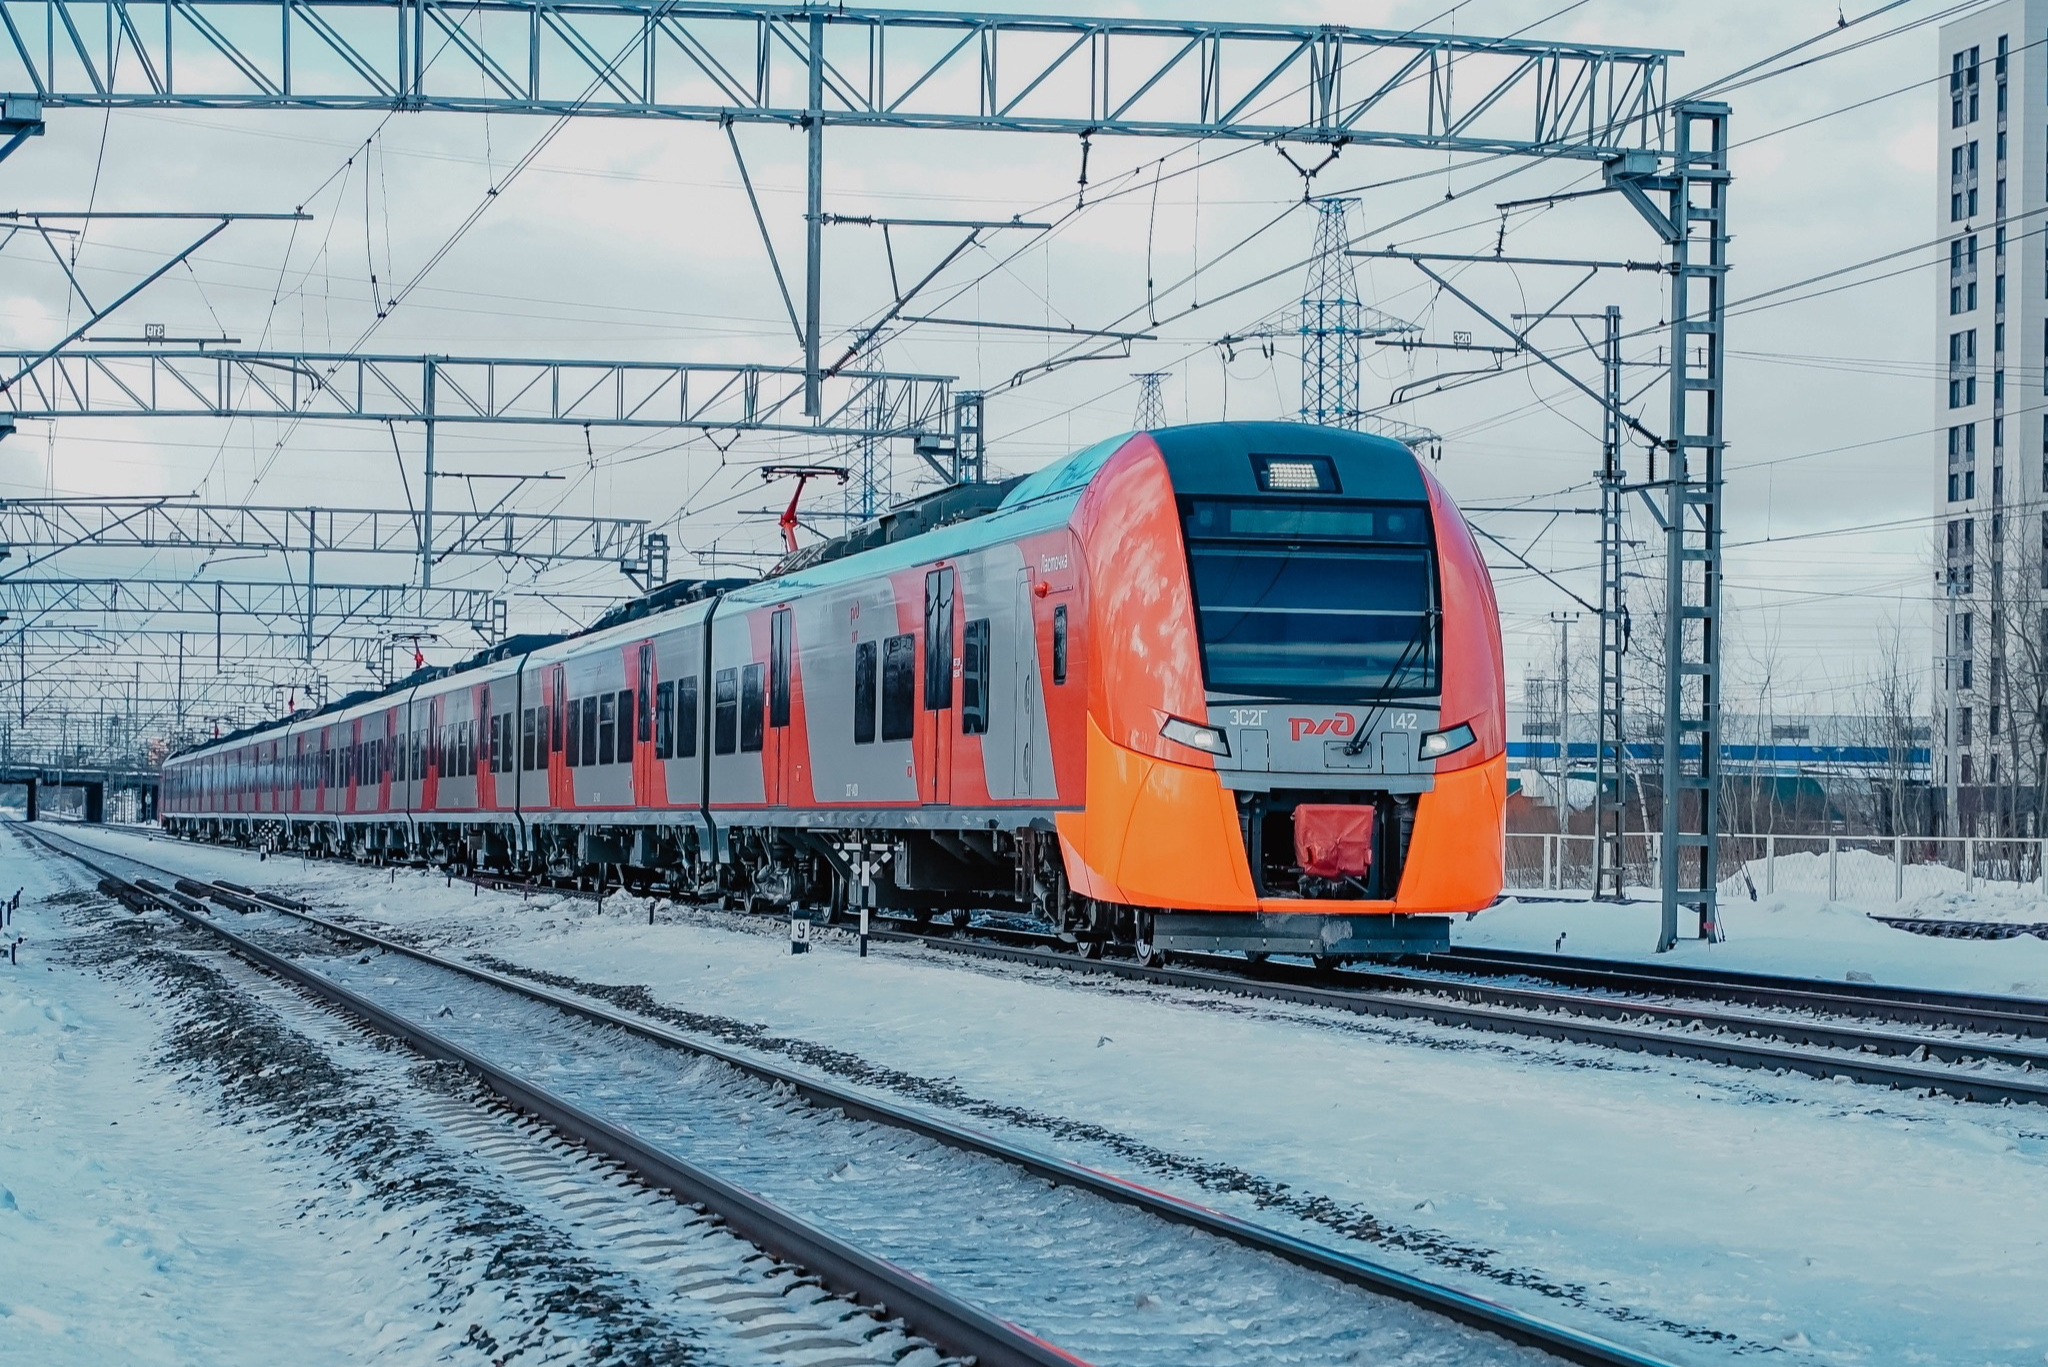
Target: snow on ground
{"x":1798,"y":933}
{"x":1697,"y":1211}
{"x":198,"y":1166}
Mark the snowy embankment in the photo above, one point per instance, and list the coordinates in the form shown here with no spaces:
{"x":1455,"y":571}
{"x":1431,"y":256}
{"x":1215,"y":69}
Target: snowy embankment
{"x":1697,"y":1211}
{"x":199,"y":1166}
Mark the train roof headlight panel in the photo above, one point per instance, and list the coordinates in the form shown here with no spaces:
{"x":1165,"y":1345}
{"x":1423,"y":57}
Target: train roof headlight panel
{"x":1296,"y":474}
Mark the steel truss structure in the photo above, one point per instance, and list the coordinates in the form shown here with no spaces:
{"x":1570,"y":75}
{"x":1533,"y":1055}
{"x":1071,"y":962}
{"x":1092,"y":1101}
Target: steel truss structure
{"x":108,"y":598}
{"x":227,"y":383}
{"x":47,"y":525}
{"x":684,"y":59}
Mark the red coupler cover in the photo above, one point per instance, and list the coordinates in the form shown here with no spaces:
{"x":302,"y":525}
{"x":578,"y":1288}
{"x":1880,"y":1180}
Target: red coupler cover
{"x":1332,"y":841}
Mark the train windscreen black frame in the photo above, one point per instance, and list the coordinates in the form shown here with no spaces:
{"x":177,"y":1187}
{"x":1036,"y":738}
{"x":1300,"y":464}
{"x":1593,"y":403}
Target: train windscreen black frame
{"x":1314,"y":598}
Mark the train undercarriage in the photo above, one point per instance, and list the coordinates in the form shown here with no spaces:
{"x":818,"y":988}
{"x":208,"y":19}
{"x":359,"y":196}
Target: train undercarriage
{"x":826,"y":875}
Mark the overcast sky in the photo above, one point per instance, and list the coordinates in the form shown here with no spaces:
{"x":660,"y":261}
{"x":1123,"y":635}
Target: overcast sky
{"x":631,"y":240}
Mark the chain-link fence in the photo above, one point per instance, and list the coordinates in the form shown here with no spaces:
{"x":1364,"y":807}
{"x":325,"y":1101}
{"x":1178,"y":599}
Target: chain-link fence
{"x":1863,"y":870}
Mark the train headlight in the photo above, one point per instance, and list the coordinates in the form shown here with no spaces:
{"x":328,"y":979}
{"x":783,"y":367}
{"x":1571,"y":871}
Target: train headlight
{"x":1448,"y":741}
{"x":1204,"y":738}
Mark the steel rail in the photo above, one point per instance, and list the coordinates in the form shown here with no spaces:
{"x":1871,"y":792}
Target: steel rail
{"x":1925,"y":1006}
{"x":954,"y":1324}
{"x":1560,"y":1016}
{"x":1566,"y":1343}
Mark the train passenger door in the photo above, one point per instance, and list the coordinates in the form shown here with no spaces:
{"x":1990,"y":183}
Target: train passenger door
{"x":779,"y":769}
{"x":937,"y":750}
{"x":1024,"y":680}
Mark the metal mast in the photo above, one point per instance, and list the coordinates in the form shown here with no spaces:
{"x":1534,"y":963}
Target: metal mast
{"x":1694,"y":223}
{"x":1332,"y":324}
{"x":1610,"y":754}
{"x":1151,"y":404}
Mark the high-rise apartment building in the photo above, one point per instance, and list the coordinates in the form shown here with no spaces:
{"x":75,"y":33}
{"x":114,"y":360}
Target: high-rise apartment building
{"x":1991,"y":326}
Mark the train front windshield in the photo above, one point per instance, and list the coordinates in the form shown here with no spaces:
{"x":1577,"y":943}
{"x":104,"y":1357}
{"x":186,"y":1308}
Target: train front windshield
{"x":1322,"y":599}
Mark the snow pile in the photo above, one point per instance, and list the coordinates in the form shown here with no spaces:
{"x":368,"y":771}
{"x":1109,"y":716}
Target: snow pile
{"x":1797,"y":933}
{"x":1866,"y":879}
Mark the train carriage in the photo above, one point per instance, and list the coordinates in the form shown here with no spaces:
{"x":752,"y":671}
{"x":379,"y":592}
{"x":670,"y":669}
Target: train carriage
{"x":1234,"y":686}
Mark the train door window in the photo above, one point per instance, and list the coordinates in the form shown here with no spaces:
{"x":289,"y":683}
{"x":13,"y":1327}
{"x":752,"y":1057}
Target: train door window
{"x":974,"y":678}
{"x":590,"y":730}
{"x":491,"y":744}
{"x":725,"y":711}
{"x":778,"y":668}
{"x":899,"y":686}
{"x":607,"y":726}
{"x":644,"y":695}
{"x":526,"y":729}
{"x":752,"y":708}
{"x":1059,"y":644}
{"x":462,"y":749}
{"x":572,"y":754}
{"x":938,"y":640}
{"x":664,"y":719}
{"x":626,"y":712}
{"x":561,"y":706}
{"x":864,"y":663}
{"x":686,"y":717}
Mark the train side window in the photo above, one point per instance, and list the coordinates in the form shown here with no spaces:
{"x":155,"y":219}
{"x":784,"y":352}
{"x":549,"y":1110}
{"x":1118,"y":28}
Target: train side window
{"x":725,"y":711}
{"x":590,"y":730}
{"x":938,"y":640}
{"x":644,"y":695}
{"x":540,"y":736}
{"x":1059,"y":644}
{"x":491,"y":754}
{"x":507,"y":757}
{"x":778,"y":667}
{"x":607,"y":726}
{"x":864,"y":661}
{"x":974,"y":673}
{"x":664,"y":719}
{"x":899,"y":687}
{"x":572,"y":748}
{"x":526,"y":740}
{"x":686,"y":717}
{"x":626,"y":713}
{"x":752,"y":706}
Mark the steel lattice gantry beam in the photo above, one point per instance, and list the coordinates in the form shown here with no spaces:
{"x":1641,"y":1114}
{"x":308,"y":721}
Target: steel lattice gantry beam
{"x":789,"y":64}
{"x":45,"y":525}
{"x":272,"y":601}
{"x":226,"y":383}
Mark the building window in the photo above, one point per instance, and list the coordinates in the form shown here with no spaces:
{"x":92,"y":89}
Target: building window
{"x":1962,"y":88}
{"x":1998,"y":386}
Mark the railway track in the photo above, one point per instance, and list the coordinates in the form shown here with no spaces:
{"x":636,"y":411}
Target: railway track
{"x":1955,"y":1056}
{"x":394,"y":989}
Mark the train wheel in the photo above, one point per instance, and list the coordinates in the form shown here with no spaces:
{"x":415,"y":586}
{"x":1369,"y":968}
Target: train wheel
{"x":1145,"y":947}
{"x":1088,"y":949}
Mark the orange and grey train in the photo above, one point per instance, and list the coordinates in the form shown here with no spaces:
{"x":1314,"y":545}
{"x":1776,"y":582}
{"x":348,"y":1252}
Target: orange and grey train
{"x":1233,"y":686}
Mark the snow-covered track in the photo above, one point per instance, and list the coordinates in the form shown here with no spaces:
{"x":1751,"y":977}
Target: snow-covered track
{"x":1970,"y":1069}
{"x":953,"y":1323}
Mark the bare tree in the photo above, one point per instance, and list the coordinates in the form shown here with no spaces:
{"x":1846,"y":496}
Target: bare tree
{"x":1891,"y":702}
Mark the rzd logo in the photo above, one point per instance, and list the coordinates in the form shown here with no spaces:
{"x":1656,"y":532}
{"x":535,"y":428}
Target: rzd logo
{"x":1343,"y":724}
